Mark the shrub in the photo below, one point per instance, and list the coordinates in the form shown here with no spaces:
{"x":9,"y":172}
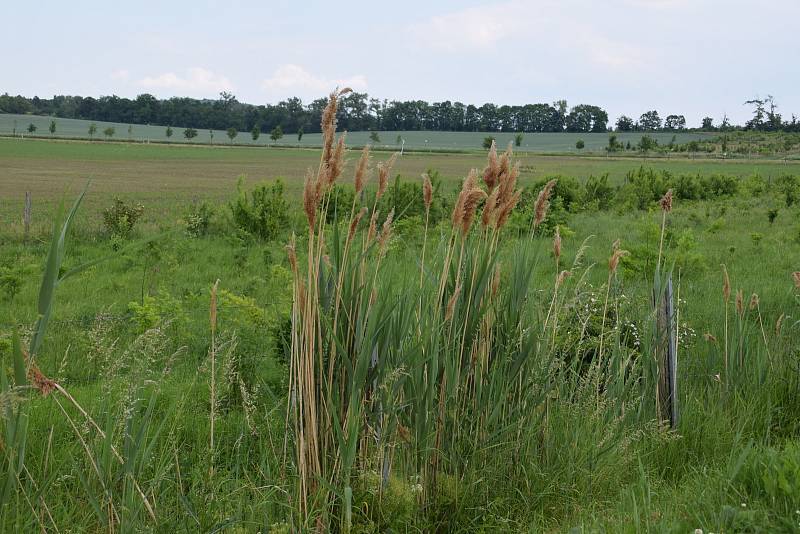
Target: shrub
{"x":789,"y":186}
{"x":121,"y":217}
{"x":487,"y":142}
{"x":598,"y":191}
{"x":198,"y":219}
{"x":263,"y":212}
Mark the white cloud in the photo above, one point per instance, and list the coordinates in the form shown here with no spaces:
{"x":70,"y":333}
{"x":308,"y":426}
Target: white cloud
{"x":198,"y":81}
{"x":294,"y":79}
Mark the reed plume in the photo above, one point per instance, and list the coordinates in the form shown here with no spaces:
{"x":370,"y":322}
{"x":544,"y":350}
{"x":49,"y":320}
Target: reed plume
{"x":492,"y":169}
{"x":384,"y":169}
{"x":362,"y":170}
{"x":311,"y":194}
{"x":796,"y":279}
{"x":542,"y":203}
{"x":427,"y":191}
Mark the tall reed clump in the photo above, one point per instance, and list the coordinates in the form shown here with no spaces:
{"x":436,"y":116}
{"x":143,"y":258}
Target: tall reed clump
{"x":413,"y":379}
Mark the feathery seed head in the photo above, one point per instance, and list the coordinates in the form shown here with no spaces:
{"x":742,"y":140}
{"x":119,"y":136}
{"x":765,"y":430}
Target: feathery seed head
{"x":355,"y":222}
{"x":666,"y":202}
{"x":740,"y":301}
{"x":557,"y":244}
{"x":427,"y":191}
{"x":753,"y":301}
{"x":562,"y":276}
{"x":613,"y":261}
{"x":362,"y":168}
{"x":311,"y":192}
{"x":796,"y":278}
{"x":542,"y":203}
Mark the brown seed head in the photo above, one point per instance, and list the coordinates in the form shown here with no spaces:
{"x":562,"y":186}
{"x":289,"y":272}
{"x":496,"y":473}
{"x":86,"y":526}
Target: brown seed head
{"x":710,"y":337}
{"x":427,"y":191}
{"x":615,"y":245}
{"x":384,"y":169}
{"x":373,"y":226}
{"x":470,"y":206}
{"x":311,"y":192}
{"x":451,"y":303}
{"x":386,"y":233}
{"x":796,"y":278}
{"x":740,"y":302}
{"x":489,"y":207}
{"x":39,"y":381}
{"x":355,"y":222}
{"x":753,"y":301}
{"x":505,"y":210}
{"x":542,"y":203}
{"x":492,"y":169}
{"x":362,"y":169}
{"x":562,"y":276}
{"x":613,"y":261}
{"x":666,"y":202}
{"x":292,"y":255}
{"x":726,"y":285}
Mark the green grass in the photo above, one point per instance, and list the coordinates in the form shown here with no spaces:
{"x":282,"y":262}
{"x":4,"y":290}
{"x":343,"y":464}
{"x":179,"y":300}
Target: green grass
{"x":592,"y":470}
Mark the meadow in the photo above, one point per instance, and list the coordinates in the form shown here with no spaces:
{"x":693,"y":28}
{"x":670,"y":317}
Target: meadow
{"x":355,"y":348}
{"x":387,"y":140}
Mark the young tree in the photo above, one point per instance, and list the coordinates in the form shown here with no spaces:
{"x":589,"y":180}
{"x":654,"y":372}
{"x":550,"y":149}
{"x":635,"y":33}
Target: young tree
{"x":708,"y":124}
{"x":487,"y":142}
{"x":232,"y":133}
{"x":398,"y":139}
{"x":52,"y":127}
{"x":579,"y":144}
{"x":374,"y":137}
{"x":647,"y":143}
{"x":31,"y":128}
{"x":130,"y":132}
{"x":211,"y":136}
{"x":169,"y":132}
{"x":14,"y":131}
{"x":92,"y":131}
{"x":518,"y":140}
{"x":189,"y":134}
{"x":300,"y":134}
{"x":255,"y":133}
{"x":276,"y":133}
{"x":109,"y":132}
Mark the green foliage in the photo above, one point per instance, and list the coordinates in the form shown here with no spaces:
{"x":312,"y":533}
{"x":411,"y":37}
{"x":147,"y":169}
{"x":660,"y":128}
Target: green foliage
{"x":518,"y":140}
{"x":579,"y":144}
{"x":374,"y":137}
{"x":109,"y":132}
{"x":789,"y":186}
{"x":598,"y":193}
{"x":276,"y":133}
{"x":190,"y":133}
{"x":255,"y":133}
{"x":155,"y":310}
{"x":772,"y":214}
{"x":31,"y":128}
{"x":198,"y":218}
{"x":487,"y":141}
{"x":10,"y":282}
{"x":120,"y":219}
{"x":92,"y":130}
{"x":263,"y":212}
{"x":300,"y":134}
{"x":168,"y":132}
{"x":52,"y":127}
{"x":231,"y":133}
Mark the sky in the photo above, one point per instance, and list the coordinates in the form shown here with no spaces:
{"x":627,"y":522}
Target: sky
{"x":690,"y":57}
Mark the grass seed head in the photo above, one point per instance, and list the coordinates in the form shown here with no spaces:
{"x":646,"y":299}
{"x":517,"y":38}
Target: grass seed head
{"x":427,"y":191}
{"x":311,"y":192}
{"x":779,"y":324}
{"x":796,"y":279}
{"x":666,"y":202}
{"x":355,"y":222}
{"x":557,"y":244}
{"x":451,"y":303}
{"x":384,"y":169}
{"x":740,"y":302}
{"x":542,"y":203}
{"x":490,"y":173}
{"x":362,"y":169}
{"x":613,"y":261}
{"x":562,"y":276}
{"x":754,"y":301}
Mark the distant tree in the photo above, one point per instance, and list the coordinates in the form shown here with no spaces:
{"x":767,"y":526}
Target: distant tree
{"x":579,"y":144}
{"x":189,"y":134}
{"x":613,"y":143}
{"x":109,"y":132}
{"x":625,"y":124}
{"x":299,"y":134}
{"x":169,"y":132}
{"x":14,"y":131}
{"x":763,"y":118}
{"x":130,"y":131}
{"x":518,"y":140}
{"x":374,"y":137}
{"x":628,"y":145}
{"x":487,"y":142}
{"x":52,"y":127}
{"x":232,"y":133}
{"x":211,"y":136}
{"x":708,"y":124}
{"x":255,"y":133}
{"x":650,"y":121}
{"x":276,"y":133}
{"x":398,"y":139}
{"x":31,"y":128}
{"x":675,"y":122}
{"x":92,"y":130}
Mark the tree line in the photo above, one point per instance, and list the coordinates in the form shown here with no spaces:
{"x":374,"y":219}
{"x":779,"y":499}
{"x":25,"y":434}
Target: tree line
{"x":360,"y":112}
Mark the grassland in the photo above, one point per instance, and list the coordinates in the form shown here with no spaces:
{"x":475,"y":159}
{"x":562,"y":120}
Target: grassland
{"x":417,"y":140}
{"x":134,"y":331}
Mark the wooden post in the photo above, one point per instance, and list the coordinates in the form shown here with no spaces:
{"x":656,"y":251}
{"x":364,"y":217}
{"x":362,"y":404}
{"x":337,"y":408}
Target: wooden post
{"x":26,"y":214}
{"x":667,"y":359}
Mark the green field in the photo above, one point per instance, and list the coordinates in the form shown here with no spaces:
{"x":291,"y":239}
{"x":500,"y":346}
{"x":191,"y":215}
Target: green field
{"x":562,"y":440}
{"x":534,"y":142}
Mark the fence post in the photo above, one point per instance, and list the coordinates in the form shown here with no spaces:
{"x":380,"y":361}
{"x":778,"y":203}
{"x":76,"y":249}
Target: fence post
{"x":26,"y":214}
{"x":667,"y":359}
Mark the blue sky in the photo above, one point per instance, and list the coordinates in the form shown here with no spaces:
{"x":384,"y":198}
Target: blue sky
{"x":691,"y":57}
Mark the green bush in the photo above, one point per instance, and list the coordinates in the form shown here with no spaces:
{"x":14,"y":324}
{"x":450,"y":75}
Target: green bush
{"x":198,"y":219}
{"x":263,"y":212}
{"x":121,"y":217}
{"x":598,"y":192}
